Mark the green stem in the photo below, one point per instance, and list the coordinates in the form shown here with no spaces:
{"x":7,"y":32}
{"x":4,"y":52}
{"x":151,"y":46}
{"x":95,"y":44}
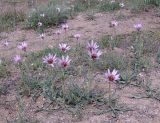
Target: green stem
{"x":63,"y":86}
{"x":109,"y":94}
{"x":110,"y":43}
{"x":89,"y":4}
{"x":138,"y":53}
{"x":88,"y":85}
{"x":65,"y":37}
{"x":14,"y":21}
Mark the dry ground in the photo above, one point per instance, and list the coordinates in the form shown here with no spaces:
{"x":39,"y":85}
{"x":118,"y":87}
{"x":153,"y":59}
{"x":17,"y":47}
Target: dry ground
{"x":145,"y":110}
{"x":88,"y":29}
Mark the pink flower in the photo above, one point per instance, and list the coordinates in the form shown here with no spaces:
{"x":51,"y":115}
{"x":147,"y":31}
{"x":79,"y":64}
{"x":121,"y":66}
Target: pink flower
{"x":77,"y":36}
{"x":17,"y":59}
{"x":92,"y":46}
{"x":95,"y":54}
{"x":113,"y":23}
{"x":64,"y":62}
{"x":65,"y":27}
{"x":50,"y":60}
{"x":39,"y":24}
{"x":64,"y":47}
{"x":58,"y":10}
{"x":23,"y":46}
{"x":42,"y":15}
{"x":42,"y":35}
{"x":112,"y":76}
{"x":121,"y":5}
{"x":138,"y":27}
{"x":58,"y":32}
{"x":6,"y":43}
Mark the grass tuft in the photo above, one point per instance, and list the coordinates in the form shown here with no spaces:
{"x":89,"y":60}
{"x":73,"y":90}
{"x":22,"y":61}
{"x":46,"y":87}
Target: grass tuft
{"x":108,"y":6}
{"x":4,"y":72}
{"x":10,"y":19}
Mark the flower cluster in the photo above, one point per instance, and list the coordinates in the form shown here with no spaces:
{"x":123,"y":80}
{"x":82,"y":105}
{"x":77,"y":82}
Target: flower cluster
{"x":22,"y":46}
{"x":93,"y":50}
{"x":65,"y":27}
{"x":63,"y":62}
{"x":51,"y":60}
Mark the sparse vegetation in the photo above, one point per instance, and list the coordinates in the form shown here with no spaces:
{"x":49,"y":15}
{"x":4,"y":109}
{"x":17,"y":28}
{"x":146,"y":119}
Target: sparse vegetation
{"x":96,"y":63}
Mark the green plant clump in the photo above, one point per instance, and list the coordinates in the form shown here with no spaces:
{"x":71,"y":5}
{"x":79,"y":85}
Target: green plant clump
{"x":108,"y":6}
{"x":48,"y":15}
{"x":153,"y":2}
